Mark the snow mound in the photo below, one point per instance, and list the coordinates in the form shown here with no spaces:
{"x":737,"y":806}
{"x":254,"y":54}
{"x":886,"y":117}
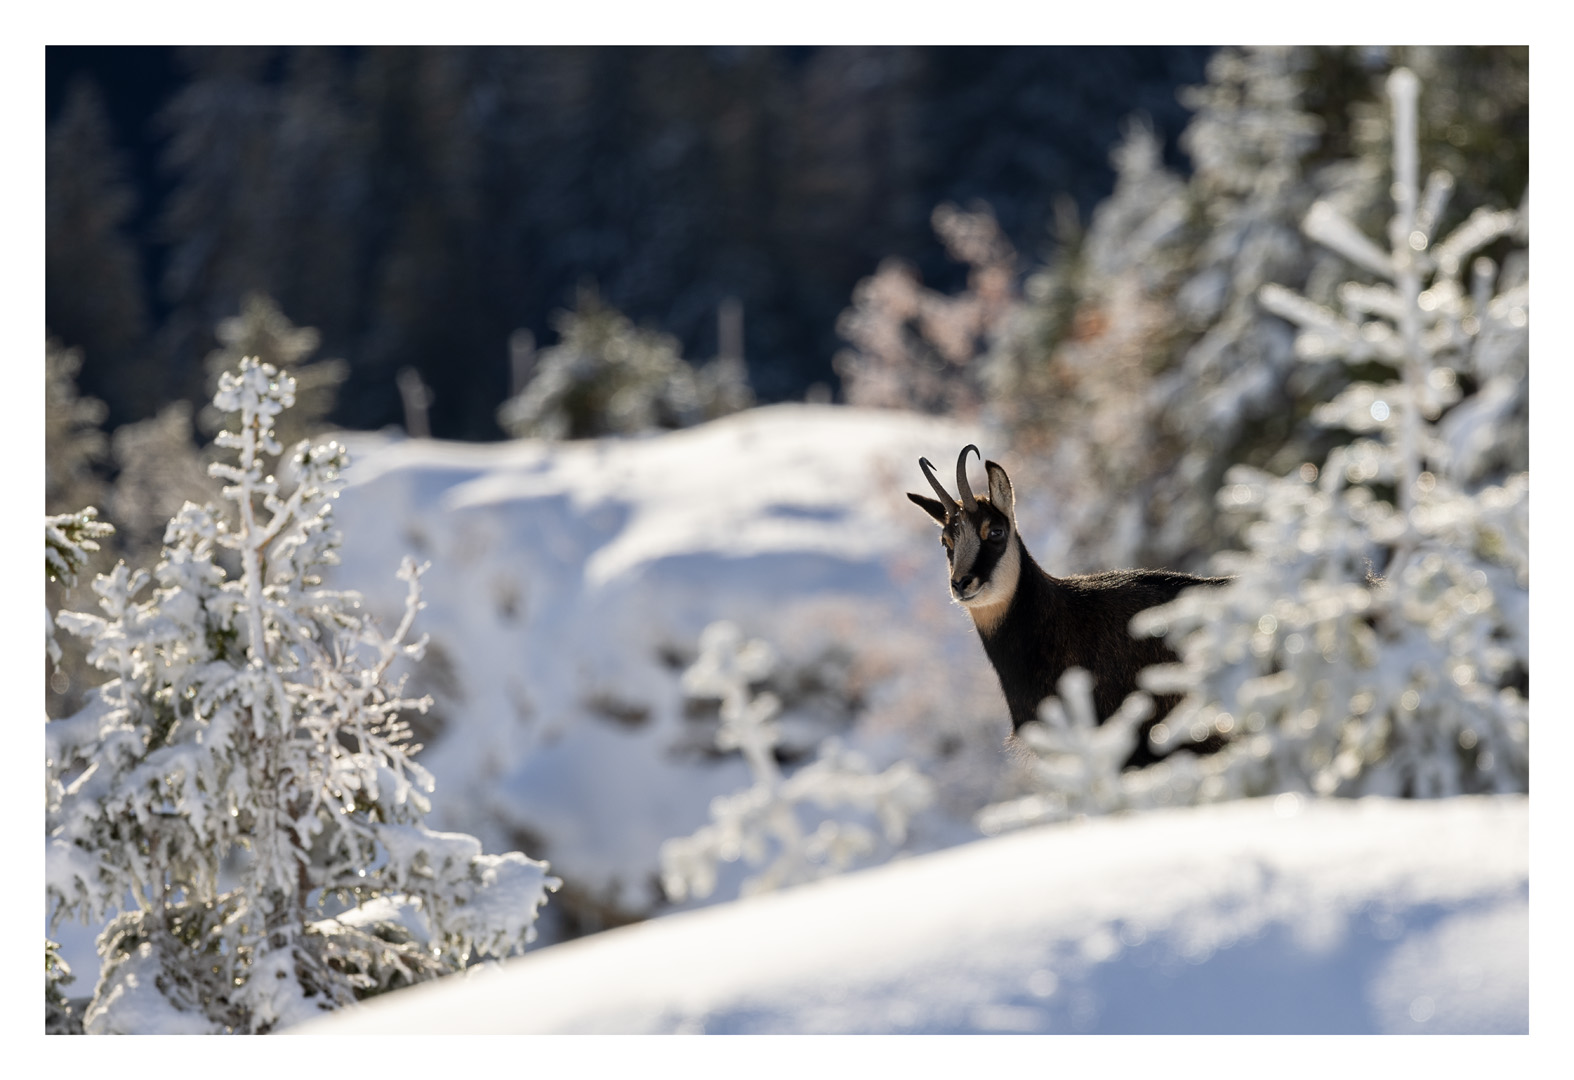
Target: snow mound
{"x":1275,"y":915}
{"x":568,"y":588}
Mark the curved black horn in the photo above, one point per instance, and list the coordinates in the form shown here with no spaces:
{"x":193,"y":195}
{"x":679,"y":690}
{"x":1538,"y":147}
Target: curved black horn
{"x":961,"y":475}
{"x":945,"y":496}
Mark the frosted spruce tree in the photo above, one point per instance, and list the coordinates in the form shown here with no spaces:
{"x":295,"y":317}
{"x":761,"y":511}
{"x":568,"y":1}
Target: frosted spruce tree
{"x":240,"y":800}
{"x":761,"y":824}
{"x":1376,"y":638}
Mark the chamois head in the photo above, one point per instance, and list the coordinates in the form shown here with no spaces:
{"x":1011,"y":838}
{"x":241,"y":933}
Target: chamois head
{"x":979,"y":534}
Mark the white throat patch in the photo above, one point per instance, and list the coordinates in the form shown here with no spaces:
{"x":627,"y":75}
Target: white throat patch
{"x":988,"y":605}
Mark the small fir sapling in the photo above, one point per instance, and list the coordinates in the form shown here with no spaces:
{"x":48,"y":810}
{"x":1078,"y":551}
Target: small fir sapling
{"x":1375,"y":640}
{"x":1077,"y":762}
{"x":607,"y":376}
{"x":239,"y":800}
{"x":761,"y":824}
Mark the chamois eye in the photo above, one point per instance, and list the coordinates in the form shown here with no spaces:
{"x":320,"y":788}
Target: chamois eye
{"x":997,"y":533}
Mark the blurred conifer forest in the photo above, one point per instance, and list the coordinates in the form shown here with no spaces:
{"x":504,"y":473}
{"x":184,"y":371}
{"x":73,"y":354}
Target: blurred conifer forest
{"x":418,"y":206}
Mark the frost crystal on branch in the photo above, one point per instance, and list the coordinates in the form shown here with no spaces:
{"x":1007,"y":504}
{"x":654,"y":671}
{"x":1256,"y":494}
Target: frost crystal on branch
{"x":68,"y":541}
{"x":240,"y":799}
{"x":761,"y":823}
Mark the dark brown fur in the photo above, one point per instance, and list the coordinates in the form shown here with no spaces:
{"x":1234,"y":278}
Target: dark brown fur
{"x":1082,"y":621}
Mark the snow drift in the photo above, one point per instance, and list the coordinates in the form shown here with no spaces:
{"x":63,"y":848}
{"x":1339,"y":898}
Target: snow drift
{"x":1271,"y":915}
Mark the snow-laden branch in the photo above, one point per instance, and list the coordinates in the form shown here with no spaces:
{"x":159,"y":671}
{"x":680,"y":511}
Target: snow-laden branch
{"x":761,"y":824}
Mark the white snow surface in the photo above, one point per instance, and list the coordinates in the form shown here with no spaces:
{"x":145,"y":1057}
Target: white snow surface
{"x":1273,"y":915}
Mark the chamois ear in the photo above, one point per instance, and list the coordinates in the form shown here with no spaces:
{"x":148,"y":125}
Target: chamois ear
{"x":1000,"y":490}
{"x":933,"y":506}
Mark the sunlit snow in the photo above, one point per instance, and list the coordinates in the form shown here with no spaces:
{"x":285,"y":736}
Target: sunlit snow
{"x":1270,"y":915}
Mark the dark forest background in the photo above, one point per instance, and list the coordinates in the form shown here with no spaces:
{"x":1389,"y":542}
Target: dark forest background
{"x":418,"y":206}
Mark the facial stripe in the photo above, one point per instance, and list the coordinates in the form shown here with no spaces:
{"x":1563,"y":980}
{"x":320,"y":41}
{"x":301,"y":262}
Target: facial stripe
{"x":969,"y":556}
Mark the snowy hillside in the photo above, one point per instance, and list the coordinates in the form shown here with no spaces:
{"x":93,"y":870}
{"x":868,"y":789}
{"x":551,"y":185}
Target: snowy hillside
{"x":569,"y":585}
{"x":1273,"y":915}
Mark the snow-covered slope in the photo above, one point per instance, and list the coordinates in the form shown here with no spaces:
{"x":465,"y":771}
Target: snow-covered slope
{"x":1273,"y":915}
{"x":569,"y":584}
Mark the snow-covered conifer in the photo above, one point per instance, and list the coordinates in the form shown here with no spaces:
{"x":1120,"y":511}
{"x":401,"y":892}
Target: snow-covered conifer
{"x":761,"y":824}
{"x":1229,"y":392}
{"x":74,"y":453}
{"x":608,"y":376}
{"x":1375,"y":639}
{"x":240,"y":800}
{"x":1074,"y":759}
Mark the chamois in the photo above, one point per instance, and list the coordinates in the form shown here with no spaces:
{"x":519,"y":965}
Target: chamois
{"x":1034,"y":625}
